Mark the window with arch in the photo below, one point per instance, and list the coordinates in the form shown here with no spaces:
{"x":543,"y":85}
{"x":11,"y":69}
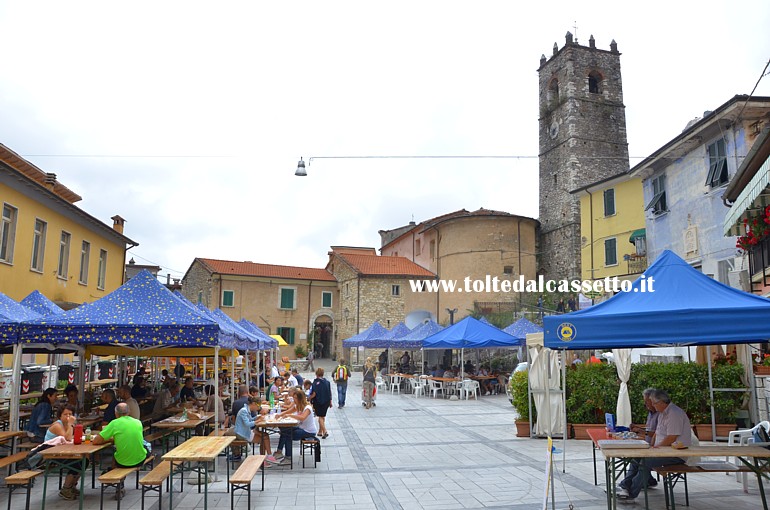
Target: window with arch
{"x":552,"y":94}
{"x":595,"y":82}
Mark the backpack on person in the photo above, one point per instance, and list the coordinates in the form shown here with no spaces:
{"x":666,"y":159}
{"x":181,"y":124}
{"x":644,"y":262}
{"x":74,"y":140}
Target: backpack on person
{"x":341,"y":373}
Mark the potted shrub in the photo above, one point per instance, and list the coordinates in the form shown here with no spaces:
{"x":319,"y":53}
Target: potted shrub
{"x":592,"y":391}
{"x":726,"y":404}
{"x":300,"y":351}
{"x":520,"y":402}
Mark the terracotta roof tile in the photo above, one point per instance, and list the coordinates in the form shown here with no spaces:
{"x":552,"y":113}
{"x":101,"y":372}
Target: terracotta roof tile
{"x":374,"y":265}
{"x":267,"y":270}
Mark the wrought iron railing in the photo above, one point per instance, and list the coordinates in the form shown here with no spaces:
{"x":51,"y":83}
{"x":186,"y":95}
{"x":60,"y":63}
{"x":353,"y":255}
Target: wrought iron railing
{"x":759,"y":261}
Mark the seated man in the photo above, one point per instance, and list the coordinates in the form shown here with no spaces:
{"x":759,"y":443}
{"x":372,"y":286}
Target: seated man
{"x":124,"y":393}
{"x":300,"y":380}
{"x":165,"y":399}
{"x":673,"y":426}
{"x":188,"y":391}
{"x":108,"y":397}
{"x":126,"y":434}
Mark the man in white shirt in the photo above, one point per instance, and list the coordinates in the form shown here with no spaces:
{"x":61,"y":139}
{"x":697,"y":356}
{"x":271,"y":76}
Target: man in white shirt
{"x":124,"y":393}
{"x":673,"y":427}
{"x":291,"y":381}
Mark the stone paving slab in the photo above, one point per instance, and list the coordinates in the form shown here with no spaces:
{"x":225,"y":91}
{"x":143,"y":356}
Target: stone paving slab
{"x":421,"y":454}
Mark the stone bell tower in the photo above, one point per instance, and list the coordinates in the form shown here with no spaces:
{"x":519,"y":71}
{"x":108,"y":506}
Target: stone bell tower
{"x":582,"y":140}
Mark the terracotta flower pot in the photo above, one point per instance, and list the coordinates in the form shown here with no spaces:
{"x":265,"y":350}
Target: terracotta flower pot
{"x":703,"y":430}
{"x":761,"y":370}
{"x":579,"y":430}
{"x":522,"y":429}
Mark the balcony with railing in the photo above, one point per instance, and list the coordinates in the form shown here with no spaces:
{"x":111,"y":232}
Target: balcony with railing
{"x":637,"y":264}
{"x":759,"y":262}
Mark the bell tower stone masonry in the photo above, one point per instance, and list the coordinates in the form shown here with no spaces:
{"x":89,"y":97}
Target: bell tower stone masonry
{"x":582,"y":127}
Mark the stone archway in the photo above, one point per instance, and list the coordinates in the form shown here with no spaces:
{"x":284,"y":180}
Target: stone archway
{"x":323,"y":333}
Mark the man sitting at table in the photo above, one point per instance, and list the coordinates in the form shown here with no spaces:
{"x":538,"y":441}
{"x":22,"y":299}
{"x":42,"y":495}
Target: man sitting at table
{"x":127,"y":435}
{"x":300,"y":380}
{"x":165,"y":399}
{"x":124,"y":393}
{"x":242,"y":400}
{"x":673,"y":426}
{"x":108,"y":397}
{"x":188,"y":391}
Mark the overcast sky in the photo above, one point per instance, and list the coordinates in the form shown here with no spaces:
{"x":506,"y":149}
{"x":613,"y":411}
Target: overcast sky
{"x":197,"y":112}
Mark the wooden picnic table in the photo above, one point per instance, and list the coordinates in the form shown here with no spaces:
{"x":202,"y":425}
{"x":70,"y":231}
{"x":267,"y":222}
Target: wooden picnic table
{"x":10,"y":435}
{"x":101,"y":382}
{"x":188,"y":425}
{"x":68,"y":452}
{"x":756,"y":458}
{"x":201,"y":450}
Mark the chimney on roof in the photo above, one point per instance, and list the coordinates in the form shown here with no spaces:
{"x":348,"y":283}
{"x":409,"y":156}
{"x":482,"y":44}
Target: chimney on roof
{"x":131,"y":262}
{"x":168,"y":278}
{"x":118,"y":224}
{"x":50,"y":181}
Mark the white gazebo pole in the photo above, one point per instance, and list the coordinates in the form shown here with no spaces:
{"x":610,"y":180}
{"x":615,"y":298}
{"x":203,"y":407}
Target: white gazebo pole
{"x":15,"y":387}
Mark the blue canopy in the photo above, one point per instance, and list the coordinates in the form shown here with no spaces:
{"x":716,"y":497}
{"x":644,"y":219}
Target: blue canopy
{"x":11,"y":315}
{"x":374,"y":331}
{"x":141,"y":313}
{"x":41,"y":304}
{"x":243,"y":339}
{"x":521,"y":328}
{"x":388,"y":339}
{"x":470,"y":333}
{"x":265,"y":340}
{"x":686,"y":307}
{"x":414,"y":339}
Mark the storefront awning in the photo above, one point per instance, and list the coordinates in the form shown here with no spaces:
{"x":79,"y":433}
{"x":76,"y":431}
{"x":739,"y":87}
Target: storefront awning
{"x":637,"y":234}
{"x":753,"y":199}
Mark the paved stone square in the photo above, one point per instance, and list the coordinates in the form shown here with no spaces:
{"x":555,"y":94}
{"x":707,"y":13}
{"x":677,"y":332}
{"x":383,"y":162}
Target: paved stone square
{"x":424,"y":453}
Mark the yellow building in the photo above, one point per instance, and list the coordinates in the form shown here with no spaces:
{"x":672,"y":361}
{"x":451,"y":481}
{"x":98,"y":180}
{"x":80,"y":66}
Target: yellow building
{"x":49,"y":244}
{"x":612,"y":235}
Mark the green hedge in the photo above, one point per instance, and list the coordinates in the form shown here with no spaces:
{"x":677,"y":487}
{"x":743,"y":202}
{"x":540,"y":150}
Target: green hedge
{"x":592,"y":390}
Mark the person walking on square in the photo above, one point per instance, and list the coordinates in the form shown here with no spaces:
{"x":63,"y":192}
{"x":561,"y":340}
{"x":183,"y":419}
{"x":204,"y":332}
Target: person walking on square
{"x":321,"y":398}
{"x":341,"y":375}
{"x":310,"y":358}
{"x":370,"y":377}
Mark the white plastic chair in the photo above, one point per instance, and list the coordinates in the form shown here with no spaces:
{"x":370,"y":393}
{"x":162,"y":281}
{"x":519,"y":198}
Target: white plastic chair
{"x":417,"y":388}
{"x":425,"y":383}
{"x":436,"y":387}
{"x":744,"y":437}
{"x":395,"y":384}
{"x":379,"y":382}
{"x":471,"y":387}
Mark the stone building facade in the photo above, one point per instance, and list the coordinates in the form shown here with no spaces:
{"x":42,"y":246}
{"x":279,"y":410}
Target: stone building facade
{"x":291,"y":301}
{"x":376,"y":288}
{"x":582,"y":131}
{"x":473,"y":245}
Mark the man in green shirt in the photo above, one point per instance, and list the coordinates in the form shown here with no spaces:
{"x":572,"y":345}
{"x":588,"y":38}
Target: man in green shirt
{"x":126,"y":433}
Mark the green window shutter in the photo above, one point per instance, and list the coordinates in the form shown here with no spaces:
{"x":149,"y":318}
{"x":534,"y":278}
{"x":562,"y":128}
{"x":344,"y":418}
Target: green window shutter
{"x":290,"y":340}
{"x":326,"y":300}
{"x":610,"y":252}
{"x":609,"y":202}
{"x":287,"y":299}
{"x":228,"y":298}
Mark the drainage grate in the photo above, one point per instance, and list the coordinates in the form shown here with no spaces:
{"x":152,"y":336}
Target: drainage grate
{"x":408,"y":410}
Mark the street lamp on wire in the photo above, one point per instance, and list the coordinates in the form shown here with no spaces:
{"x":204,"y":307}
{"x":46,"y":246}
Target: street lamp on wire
{"x":302,"y":170}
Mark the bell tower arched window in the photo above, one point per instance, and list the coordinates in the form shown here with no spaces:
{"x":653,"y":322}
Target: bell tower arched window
{"x":553,"y":92}
{"x":595,"y":82}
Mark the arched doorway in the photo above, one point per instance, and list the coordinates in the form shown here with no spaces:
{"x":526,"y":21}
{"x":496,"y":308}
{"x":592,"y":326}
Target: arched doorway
{"x":323,"y":335}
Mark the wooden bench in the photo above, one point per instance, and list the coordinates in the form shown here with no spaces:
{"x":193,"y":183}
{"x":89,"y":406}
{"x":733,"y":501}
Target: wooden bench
{"x":149,"y":461}
{"x":162,"y":435}
{"x":241,"y":479}
{"x":114,"y":478}
{"x":21,"y":480}
{"x":9,"y":460}
{"x":674,"y":473}
{"x":153,"y":481}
